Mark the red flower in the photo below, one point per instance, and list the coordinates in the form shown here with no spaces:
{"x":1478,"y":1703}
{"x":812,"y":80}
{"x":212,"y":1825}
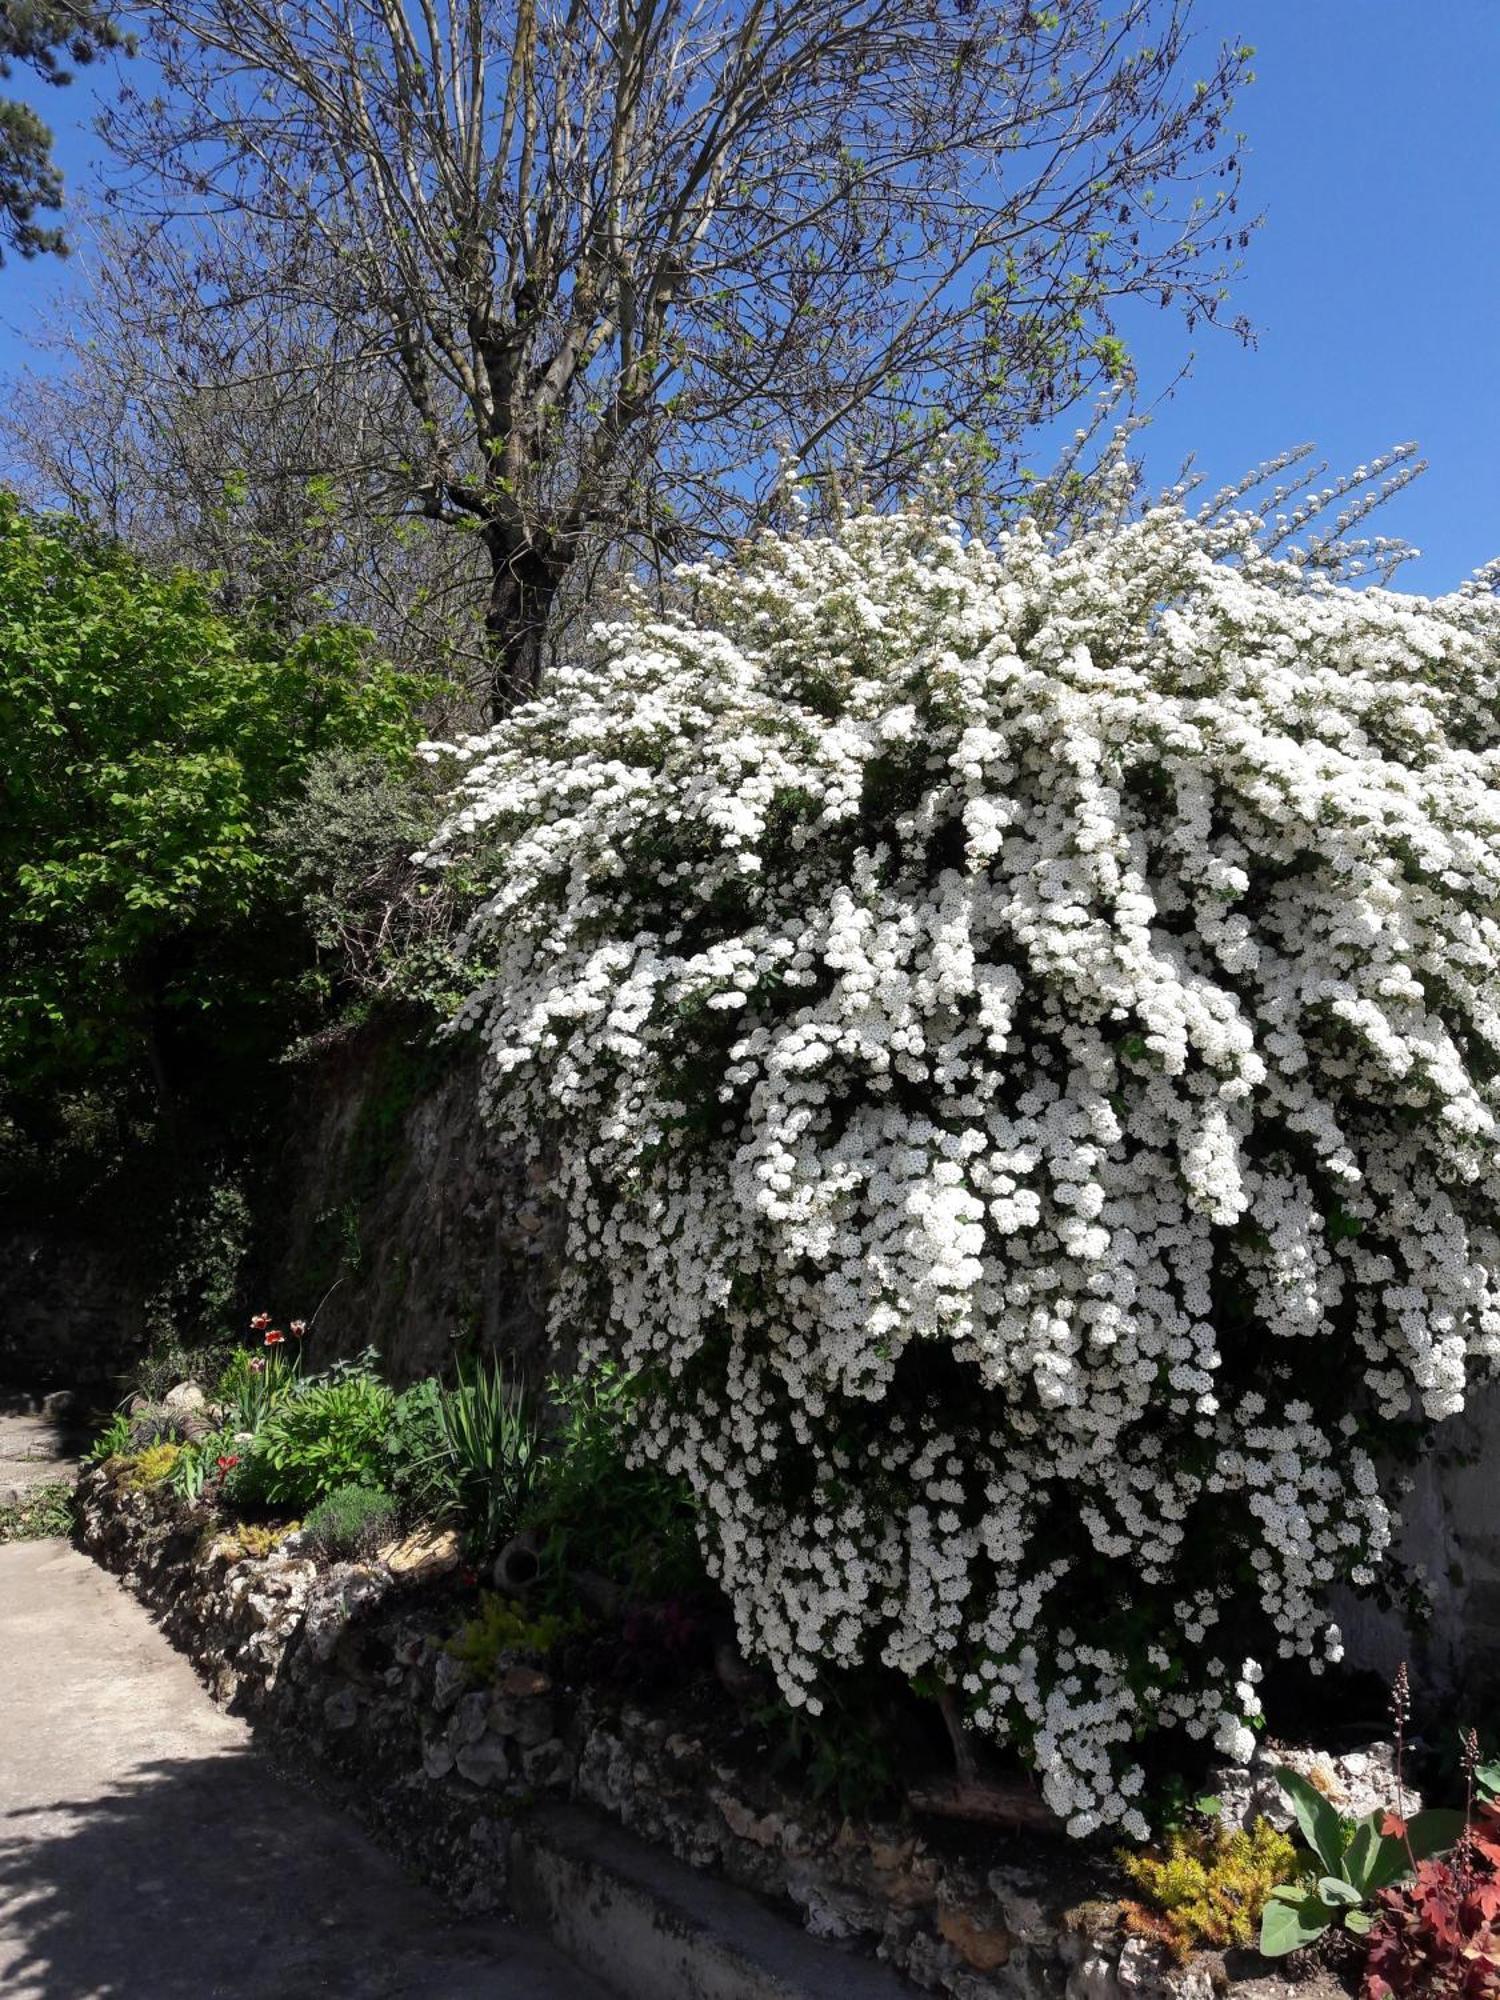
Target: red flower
{"x":260,"y":1321}
{"x":258,"y":1365}
{"x":225,"y":1464}
{"x":299,"y":1327}
{"x":275,"y":1338}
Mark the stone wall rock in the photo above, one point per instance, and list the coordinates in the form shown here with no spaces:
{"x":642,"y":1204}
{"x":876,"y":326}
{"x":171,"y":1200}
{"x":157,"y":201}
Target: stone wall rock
{"x":389,"y":1209}
{"x":380,"y":1206}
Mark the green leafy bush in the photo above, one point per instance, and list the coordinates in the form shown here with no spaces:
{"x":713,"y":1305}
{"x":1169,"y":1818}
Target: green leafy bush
{"x":1351,"y":1862}
{"x":345,"y":848}
{"x":145,"y":929}
{"x":190,"y":1311}
{"x":634,"y":1524}
{"x":352,"y":1522}
{"x":330,"y":1434}
{"x":419,"y":1464}
{"x":112,"y":1442}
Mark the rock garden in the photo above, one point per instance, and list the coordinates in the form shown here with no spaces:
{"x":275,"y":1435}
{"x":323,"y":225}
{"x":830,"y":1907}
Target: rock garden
{"x":456,"y":1604}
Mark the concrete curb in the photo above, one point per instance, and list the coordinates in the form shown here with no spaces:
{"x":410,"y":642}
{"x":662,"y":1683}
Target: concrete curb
{"x":649,"y":1927}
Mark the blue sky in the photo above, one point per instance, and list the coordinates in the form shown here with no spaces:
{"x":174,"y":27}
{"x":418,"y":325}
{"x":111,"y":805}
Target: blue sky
{"x":1374,"y":151}
{"x":1374,"y":129}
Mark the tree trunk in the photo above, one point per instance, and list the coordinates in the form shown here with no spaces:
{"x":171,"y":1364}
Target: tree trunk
{"x":523,"y":583}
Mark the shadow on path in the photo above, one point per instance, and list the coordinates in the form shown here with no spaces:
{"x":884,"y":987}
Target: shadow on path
{"x":191,"y":1882}
{"x":148,"y":1852}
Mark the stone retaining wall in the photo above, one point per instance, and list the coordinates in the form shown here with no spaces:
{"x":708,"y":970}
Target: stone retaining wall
{"x":346,"y":1666}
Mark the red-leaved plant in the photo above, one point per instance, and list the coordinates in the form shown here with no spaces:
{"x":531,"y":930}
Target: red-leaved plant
{"x":1437,"y":1936}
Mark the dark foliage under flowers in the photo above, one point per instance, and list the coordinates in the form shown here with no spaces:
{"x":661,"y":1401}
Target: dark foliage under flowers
{"x":419,"y":1467}
{"x":595,"y":1510}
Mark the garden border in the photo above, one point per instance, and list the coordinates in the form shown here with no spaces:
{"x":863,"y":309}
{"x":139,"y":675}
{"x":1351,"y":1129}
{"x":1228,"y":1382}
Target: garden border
{"x":534,"y":1798}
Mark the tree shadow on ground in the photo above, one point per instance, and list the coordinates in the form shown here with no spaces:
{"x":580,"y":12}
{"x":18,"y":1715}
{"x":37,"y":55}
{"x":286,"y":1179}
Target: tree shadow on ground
{"x":205,"y":1877}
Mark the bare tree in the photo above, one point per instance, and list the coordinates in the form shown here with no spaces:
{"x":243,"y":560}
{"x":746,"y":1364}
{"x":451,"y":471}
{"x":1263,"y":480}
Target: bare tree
{"x":258,"y":446}
{"x":625,"y":259}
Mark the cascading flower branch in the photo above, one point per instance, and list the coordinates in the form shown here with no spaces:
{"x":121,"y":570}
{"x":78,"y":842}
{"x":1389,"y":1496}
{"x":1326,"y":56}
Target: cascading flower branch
{"x":1020,"y":1031}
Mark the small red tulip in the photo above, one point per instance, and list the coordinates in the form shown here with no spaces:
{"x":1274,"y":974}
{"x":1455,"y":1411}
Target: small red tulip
{"x":275,"y":1338}
{"x":260,"y":1321}
{"x":299,"y":1327}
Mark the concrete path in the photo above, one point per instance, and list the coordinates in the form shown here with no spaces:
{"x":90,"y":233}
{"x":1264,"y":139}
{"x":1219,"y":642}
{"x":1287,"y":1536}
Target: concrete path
{"x":34,"y":1451}
{"x":147,"y":1852}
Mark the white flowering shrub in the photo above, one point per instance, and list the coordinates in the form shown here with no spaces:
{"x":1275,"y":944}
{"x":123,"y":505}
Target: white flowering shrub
{"x":1021,"y":1032}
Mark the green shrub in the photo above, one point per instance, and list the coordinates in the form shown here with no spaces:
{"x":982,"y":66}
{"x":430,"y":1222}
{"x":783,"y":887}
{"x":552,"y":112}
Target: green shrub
{"x":146,"y":931}
{"x":345,"y":848}
{"x":634,"y":1524}
{"x":491,"y":1438}
{"x":327,"y":1435}
{"x":1206,"y":1887}
{"x":354,"y":1521}
{"x":500,"y":1626}
{"x":836,"y":1758}
{"x":190,"y":1311}
{"x":419,"y":1464}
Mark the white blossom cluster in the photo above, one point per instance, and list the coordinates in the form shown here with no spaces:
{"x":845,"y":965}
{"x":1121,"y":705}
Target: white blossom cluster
{"x":1021,"y":1030}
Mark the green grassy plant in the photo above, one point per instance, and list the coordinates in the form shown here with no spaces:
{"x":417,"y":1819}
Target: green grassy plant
{"x":45,"y":1512}
{"x":491,"y":1439}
